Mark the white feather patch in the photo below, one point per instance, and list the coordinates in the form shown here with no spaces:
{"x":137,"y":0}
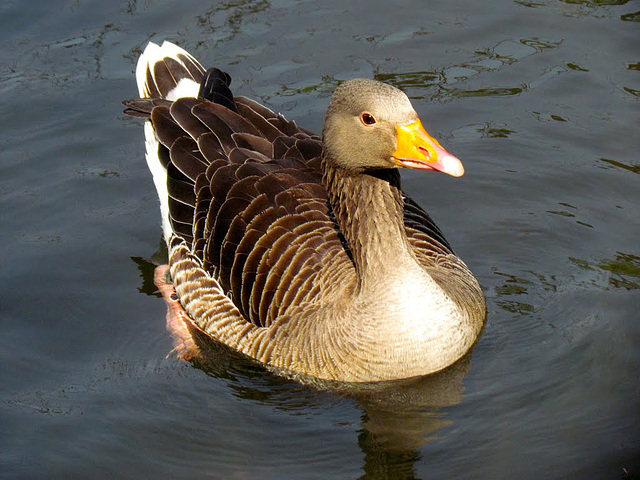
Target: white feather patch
{"x":159,"y":174}
{"x":186,"y":87}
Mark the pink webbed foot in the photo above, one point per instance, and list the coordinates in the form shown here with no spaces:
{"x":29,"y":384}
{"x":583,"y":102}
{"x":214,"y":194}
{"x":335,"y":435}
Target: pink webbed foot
{"x":177,"y":319}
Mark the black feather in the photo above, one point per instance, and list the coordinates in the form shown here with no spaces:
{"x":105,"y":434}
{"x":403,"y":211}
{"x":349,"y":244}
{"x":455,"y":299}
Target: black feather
{"x":215,"y":88}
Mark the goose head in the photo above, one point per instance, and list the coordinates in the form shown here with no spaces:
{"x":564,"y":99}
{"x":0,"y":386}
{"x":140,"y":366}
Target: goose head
{"x":371,"y":125}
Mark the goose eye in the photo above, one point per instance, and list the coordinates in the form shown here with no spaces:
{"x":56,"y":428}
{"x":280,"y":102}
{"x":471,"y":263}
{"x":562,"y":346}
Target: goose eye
{"x":367,"y":118}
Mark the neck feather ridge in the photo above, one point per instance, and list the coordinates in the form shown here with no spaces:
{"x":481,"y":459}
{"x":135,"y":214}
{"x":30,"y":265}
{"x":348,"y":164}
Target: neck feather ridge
{"x":370,"y":213}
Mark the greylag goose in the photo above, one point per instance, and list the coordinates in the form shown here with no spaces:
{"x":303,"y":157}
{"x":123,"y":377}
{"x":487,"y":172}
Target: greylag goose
{"x":300,"y":252}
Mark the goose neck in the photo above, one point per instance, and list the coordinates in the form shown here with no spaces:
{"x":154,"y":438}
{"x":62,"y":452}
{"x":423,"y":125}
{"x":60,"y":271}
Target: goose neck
{"x":369,"y":210}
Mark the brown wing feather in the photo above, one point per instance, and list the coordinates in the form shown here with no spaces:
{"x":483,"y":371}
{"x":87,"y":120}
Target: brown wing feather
{"x":259,"y":220}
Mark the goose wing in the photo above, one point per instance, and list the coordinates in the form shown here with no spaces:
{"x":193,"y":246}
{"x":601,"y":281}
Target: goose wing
{"x":245,"y":194}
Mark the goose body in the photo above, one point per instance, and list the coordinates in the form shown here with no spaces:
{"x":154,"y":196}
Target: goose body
{"x":302,"y":252}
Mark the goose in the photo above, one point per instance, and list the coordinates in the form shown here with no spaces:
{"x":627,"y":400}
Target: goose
{"x":299,"y":251}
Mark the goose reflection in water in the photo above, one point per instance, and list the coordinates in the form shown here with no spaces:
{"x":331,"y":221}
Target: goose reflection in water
{"x":397,"y":417}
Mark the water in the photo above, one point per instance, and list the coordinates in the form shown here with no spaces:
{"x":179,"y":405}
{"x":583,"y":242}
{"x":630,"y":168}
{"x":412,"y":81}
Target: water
{"x":540,"y":101}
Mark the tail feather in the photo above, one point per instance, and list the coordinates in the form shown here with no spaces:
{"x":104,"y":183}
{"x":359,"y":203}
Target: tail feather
{"x":167,"y":72}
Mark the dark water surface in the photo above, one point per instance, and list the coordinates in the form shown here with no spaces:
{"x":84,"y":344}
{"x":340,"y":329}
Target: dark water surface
{"x":539,"y":99}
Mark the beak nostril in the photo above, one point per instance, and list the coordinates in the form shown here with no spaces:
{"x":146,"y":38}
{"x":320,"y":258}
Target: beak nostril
{"x":425,"y":151}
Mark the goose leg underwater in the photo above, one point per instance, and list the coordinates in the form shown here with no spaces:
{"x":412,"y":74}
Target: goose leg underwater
{"x":300,"y":251}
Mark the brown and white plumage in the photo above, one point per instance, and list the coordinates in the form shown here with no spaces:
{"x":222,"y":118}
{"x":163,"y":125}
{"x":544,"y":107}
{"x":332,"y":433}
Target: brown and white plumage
{"x":300,"y":252}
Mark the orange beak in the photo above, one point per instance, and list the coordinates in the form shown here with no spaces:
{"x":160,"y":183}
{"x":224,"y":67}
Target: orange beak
{"x":417,"y":149}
